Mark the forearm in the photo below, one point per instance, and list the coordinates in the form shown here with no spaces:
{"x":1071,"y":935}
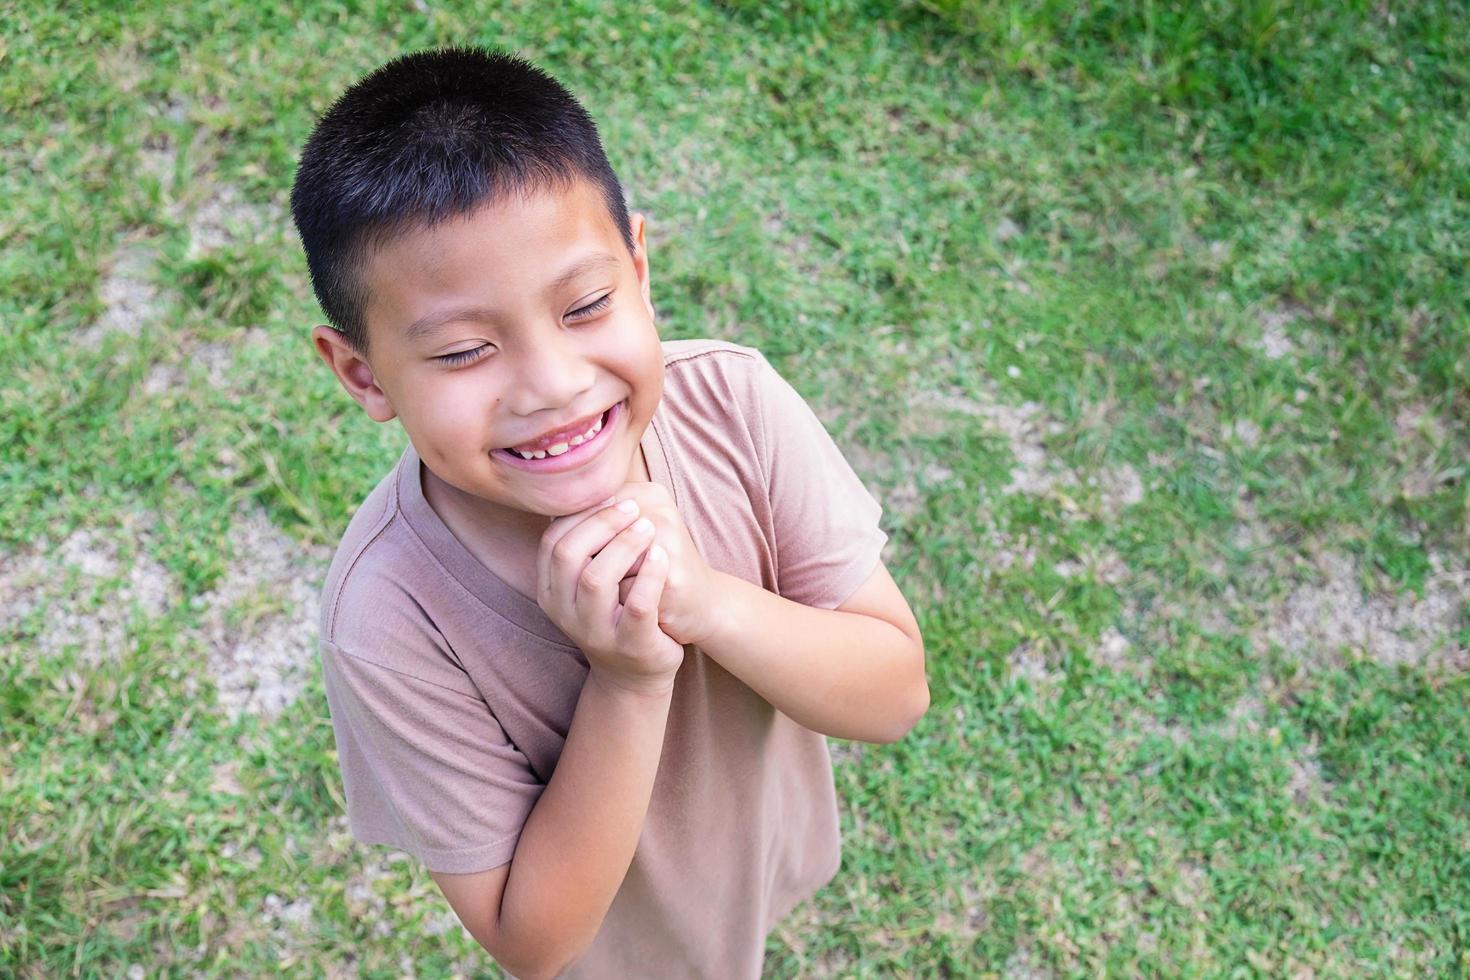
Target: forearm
{"x":578,"y":842}
{"x":839,"y":673}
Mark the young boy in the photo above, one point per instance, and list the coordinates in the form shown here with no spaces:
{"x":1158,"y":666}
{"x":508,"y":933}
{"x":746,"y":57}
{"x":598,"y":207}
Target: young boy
{"x":601,"y":732}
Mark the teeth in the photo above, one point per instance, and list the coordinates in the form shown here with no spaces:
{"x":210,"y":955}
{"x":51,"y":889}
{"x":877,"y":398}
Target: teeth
{"x":562,"y":447}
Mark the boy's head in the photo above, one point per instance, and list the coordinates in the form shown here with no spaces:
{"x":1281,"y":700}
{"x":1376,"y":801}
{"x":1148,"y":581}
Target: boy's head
{"x":468,"y":240}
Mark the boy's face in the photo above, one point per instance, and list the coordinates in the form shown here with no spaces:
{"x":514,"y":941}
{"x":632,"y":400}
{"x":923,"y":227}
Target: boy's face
{"x":555,"y":322}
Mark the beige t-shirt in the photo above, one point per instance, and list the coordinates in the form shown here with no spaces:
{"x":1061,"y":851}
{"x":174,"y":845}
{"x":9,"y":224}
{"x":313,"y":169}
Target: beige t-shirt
{"x":451,"y":693}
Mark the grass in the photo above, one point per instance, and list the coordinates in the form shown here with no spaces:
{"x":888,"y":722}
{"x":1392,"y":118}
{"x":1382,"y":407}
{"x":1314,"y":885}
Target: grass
{"x":1147,"y":323}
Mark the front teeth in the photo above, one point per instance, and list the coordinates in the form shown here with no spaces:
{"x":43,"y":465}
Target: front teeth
{"x":561,"y":447}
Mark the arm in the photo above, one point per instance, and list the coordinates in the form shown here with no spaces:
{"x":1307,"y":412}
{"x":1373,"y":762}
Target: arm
{"x":852,"y":672}
{"x":578,"y":842}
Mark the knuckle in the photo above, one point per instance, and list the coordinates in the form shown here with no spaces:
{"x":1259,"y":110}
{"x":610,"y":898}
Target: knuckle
{"x":562,"y":551}
{"x":590,"y":579}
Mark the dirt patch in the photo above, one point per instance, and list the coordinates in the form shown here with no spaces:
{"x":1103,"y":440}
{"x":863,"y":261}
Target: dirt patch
{"x":259,"y":624}
{"x":1244,"y":718}
{"x":961,"y":912}
{"x":1147,"y":725}
{"x":214,"y":363}
{"x":1028,"y":663}
{"x":216,"y":215}
{"x":222,"y":217}
{"x":130,"y":294}
{"x":1036,"y":471}
{"x":897,"y":479}
{"x":1103,"y":565}
{"x":1321,"y":620}
{"x":1120,"y":487}
{"x":90,"y":587}
{"x":1003,"y":551}
{"x":1416,"y":421}
{"x":214,"y":211}
{"x":1114,"y":651}
{"x":1305,"y":781}
{"x":1275,"y":343}
{"x":1281,"y":335}
{"x":293,"y":915}
{"x":1420,"y":441}
{"x":1024,"y":427}
{"x":1245,"y":432}
{"x":1021,"y":965}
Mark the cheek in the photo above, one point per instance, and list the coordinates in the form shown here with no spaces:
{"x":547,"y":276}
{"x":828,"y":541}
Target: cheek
{"x":456,"y":410}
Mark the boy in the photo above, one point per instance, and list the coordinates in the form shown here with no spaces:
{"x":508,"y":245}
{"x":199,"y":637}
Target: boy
{"x":602,"y":733}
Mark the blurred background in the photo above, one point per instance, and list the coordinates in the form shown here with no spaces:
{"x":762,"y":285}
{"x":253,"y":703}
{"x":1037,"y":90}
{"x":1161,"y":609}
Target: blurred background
{"x":1147,"y":323}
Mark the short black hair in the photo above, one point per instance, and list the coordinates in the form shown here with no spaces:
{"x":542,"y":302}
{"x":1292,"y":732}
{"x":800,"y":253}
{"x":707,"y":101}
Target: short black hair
{"x":426,"y":137}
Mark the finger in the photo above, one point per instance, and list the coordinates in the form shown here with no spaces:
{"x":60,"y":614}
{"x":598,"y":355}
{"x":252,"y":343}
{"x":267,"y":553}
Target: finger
{"x":568,"y":543}
{"x":561,"y":525}
{"x":598,"y":582}
{"x":640,"y":612}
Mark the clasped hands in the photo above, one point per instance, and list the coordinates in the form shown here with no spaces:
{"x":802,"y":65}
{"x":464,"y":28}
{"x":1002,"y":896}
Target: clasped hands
{"x":629,"y":595}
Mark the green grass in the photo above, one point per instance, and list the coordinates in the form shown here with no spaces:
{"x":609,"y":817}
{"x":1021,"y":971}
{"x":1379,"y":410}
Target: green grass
{"x":1196,"y":273}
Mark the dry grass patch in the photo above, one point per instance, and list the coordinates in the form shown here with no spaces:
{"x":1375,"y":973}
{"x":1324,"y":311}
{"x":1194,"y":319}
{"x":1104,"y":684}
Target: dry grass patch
{"x":259,"y":624}
{"x":91,"y":586}
{"x":1326,"y":621}
{"x":130,"y":293}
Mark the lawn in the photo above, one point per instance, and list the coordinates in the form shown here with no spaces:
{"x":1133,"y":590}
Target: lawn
{"x":1149,"y":325}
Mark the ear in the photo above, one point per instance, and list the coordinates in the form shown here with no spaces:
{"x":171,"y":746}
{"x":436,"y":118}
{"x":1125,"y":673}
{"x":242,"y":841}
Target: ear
{"x":353,"y":370}
{"x":636,"y":224}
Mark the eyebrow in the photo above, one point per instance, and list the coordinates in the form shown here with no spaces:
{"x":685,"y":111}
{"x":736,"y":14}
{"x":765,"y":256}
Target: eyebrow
{"x":431,"y":322}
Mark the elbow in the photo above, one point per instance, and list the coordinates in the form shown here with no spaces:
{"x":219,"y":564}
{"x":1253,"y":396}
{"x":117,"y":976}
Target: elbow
{"x":921,"y":706}
{"x":919,"y":696}
{"x":535,"y":971}
{"x":533,"y":965}
{"x":542,"y":968}
{"x":918,"y":706}
{"x":547,"y":965}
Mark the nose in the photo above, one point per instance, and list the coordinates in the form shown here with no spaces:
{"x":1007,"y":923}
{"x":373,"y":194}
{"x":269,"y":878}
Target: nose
{"x":552,"y":374}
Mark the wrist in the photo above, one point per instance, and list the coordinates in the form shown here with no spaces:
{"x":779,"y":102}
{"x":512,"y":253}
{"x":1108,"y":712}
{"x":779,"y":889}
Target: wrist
{"x":724,"y":593}
{"x":653,"y":688}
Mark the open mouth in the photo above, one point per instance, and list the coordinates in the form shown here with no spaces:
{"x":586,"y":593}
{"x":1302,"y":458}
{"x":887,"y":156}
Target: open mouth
{"x":564,"y":455}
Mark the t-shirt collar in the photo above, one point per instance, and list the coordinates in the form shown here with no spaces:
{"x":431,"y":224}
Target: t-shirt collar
{"x":469,"y":571}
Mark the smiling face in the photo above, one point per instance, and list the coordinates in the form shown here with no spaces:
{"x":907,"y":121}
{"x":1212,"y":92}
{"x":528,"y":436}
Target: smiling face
{"x":491,"y":330}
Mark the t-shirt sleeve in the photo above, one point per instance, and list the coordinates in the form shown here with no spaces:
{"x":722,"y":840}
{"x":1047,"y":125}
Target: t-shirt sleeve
{"x":425,"y":768}
{"x":827,"y":534}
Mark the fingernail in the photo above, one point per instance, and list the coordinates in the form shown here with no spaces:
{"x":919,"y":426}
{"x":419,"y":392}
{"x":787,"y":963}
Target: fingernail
{"x":628,"y":506}
{"x":657,"y":553}
{"x":643,"y":525}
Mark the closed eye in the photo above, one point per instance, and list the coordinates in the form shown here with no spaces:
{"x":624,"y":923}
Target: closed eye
{"x":596,"y":306}
{"x":463,"y":356}
{"x":474,"y":353}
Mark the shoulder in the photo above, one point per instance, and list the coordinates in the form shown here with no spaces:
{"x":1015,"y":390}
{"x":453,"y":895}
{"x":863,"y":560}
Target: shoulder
{"x":713,"y":379}
{"x":369,"y":587}
{"x":708,"y":354}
